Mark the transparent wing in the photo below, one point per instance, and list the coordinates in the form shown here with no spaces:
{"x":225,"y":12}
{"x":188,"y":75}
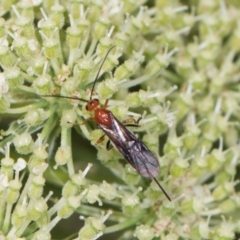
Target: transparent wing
{"x":142,"y":159}
{"x":133,"y":150}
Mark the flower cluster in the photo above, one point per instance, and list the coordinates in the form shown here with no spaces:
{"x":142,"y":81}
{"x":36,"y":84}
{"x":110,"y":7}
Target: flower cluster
{"x":176,"y":66}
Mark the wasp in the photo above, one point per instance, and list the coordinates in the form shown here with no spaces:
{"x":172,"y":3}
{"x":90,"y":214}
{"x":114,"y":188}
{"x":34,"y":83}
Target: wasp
{"x":134,"y":150}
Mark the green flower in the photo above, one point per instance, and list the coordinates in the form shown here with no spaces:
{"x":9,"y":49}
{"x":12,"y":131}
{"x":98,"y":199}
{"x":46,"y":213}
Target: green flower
{"x":172,"y":64}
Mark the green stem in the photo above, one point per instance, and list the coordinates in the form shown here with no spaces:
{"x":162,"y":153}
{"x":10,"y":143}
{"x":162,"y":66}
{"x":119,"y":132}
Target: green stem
{"x":2,"y":208}
{"x":126,"y":224}
{"x":50,"y":123}
{"x":24,"y":109}
{"x":7,"y":219}
{"x":66,"y":141}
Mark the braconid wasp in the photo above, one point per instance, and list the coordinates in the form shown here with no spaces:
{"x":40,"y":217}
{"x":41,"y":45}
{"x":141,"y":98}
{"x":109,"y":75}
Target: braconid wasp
{"x":133,"y":150}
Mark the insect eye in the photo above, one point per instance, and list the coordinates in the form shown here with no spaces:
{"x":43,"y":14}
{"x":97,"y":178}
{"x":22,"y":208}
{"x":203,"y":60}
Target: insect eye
{"x":95,"y":102}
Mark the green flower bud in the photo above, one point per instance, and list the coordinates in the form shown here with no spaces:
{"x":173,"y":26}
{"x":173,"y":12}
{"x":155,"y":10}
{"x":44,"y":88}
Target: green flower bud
{"x":172,"y":146}
{"x":192,"y":206}
{"x":183,"y":105}
{"x":156,"y":65}
{"x":27,"y":27}
{"x":144,"y":232}
{"x":68,"y":118}
{"x":51,"y":48}
{"x":13,"y":191}
{"x":43,"y":85}
{"x":6,"y":57}
{"x":83,"y":26}
{"x":215,"y":160}
{"x":133,"y":100}
{"x":63,"y":155}
{"x":152,"y":192}
{"x":20,"y":44}
{"x":74,"y":185}
{"x":82,"y":70}
{"x":95,"y":11}
{"x":7,"y":167}
{"x":37,"y":209}
{"x":35,"y":117}
{"x":18,"y":216}
{"x":229,"y":205}
{"x":108,"y":191}
{"x":223,"y":191}
{"x":170,"y":236}
{"x":57,"y":15}
{"x":198,"y":80}
{"x":74,"y":10}
{"x":47,"y":27}
{"x":201,"y":230}
{"x":41,"y":235}
{"x":92,"y":229}
{"x":73,"y":37}
{"x":107,"y":88}
{"x":43,"y":220}
{"x":167,"y":209}
{"x":14,"y":77}
{"x":100,"y":27}
{"x":109,"y":157}
{"x":69,"y":87}
{"x":225,"y":175}
{"x":125,"y":70}
{"x":199,"y":167}
{"x":36,"y":159}
{"x":105,"y":43}
{"x":120,"y":112}
{"x":38,"y":64}
{"x":92,"y":195}
{"x":36,"y":188}
{"x":205,"y":105}
{"x":191,"y":137}
{"x":23,"y":143}
{"x":130,"y":176}
{"x":223,"y":232}
{"x":130,"y":205}
{"x":120,"y":39}
{"x":71,"y":204}
{"x":40,"y":151}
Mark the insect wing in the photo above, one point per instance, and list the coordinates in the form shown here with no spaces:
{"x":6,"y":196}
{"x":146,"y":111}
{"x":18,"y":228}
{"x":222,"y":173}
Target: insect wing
{"x":134,"y":151}
{"x":117,"y":133}
{"x":142,"y":159}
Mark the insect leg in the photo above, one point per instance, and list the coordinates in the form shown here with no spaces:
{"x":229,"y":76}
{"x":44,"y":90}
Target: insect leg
{"x":136,"y":122}
{"x":105,"y":104}
{"x":109,"y":146}
{"x":100,"y":139}
{"x":87,"y":120}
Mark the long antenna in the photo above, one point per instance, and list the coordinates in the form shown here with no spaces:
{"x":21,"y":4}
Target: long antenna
{"x":60,"y":96}
{"x":162,"y":189}
{"x":94,"y":83}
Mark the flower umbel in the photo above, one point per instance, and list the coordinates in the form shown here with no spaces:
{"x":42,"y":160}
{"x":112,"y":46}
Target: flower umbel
{"x":176,"y":66}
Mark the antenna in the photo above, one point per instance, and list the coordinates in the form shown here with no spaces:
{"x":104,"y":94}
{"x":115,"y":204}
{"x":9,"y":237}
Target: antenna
{"x":60,"y":96}
{"x":94,"y":83}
